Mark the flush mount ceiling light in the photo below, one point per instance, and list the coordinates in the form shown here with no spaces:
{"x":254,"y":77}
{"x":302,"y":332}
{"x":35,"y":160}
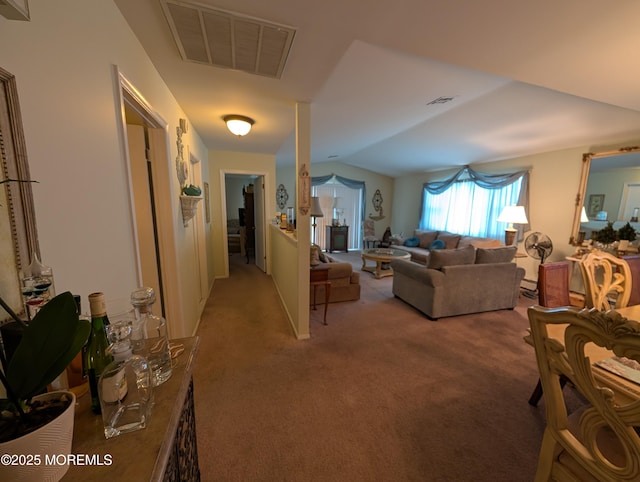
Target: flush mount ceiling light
{"x":238,"y":125}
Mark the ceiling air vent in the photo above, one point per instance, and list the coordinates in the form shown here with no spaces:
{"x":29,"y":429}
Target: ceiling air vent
{"x":441,"y":100}
{"x":224,"y":39}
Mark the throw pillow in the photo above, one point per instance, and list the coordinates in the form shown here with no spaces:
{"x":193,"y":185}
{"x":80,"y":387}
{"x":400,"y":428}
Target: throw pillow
{"x":315,"y":256}
{"x":426,"y":238}
{"x":450,"y":240}
{"x":452,"y":257}
{"x":437,"y":244}
{"x":323,"y":257}
{"x":504,"y":254}
{"x":412,"y":242}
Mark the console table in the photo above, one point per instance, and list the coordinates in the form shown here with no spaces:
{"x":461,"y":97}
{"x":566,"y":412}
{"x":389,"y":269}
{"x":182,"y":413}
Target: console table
{"x":165,"y":450}
{"x":337,"y":238}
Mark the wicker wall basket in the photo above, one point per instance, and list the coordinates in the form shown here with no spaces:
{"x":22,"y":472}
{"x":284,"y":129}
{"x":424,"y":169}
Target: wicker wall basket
{"x":189,"y":206}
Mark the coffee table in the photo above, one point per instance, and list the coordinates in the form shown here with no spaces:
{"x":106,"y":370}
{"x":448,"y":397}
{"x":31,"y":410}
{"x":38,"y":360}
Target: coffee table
{"x":380,"y":256}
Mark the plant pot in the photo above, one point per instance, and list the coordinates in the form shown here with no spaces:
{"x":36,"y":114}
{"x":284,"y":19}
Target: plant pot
{"x":53,"y":439}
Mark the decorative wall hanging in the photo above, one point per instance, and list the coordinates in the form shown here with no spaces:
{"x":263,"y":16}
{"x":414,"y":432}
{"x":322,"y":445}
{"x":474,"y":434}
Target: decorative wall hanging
{"x":377,"y":205}
{"x":304,"y":190}
{"x":181,"y":165}
{"x":282,"y":197}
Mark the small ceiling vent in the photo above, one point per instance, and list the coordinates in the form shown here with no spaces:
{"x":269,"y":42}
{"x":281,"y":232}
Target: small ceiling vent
{"x":441,"y":100}
{"x":224,"y":39}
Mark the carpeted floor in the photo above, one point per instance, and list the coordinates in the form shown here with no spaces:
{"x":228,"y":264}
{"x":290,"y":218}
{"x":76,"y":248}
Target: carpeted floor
{"x":379,"y":394}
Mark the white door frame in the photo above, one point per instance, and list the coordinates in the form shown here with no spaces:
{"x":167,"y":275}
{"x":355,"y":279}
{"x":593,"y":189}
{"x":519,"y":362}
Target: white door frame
{"x":223,"y":198}
{"x":159,"y":149}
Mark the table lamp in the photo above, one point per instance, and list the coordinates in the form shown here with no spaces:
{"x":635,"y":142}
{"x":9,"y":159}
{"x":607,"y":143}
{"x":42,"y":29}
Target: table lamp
{"x":583,"y":219}
{"x":316,"y":212}
{"x":512,"y":215}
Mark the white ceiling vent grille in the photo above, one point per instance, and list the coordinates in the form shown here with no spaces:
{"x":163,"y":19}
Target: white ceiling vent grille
{"x":224,"y":39}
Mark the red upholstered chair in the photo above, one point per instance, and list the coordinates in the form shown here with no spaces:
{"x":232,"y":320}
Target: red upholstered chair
{"x":553,"y":292}
{"x":553,"y":284}
{"x":634,"y":266}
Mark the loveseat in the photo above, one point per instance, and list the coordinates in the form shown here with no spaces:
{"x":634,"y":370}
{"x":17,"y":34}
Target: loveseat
{"x":459,"y":281}
{"x":345,"y":282}
{"x":419,"y":245}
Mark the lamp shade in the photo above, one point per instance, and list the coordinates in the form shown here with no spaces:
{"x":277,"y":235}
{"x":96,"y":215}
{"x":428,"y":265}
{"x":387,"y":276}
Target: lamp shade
{"x":513,"y":215}
{"x":238,"y":125}
{"x":316,"y":209}
{"x":583,"y":216}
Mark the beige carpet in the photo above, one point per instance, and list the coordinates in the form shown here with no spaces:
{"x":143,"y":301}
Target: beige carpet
{"x":379,"y":394}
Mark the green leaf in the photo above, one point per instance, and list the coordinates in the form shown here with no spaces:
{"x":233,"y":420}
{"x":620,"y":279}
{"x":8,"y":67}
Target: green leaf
{"x":52,"y":339}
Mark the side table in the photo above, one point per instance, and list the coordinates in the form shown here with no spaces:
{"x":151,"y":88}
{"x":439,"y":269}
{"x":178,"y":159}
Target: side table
{"x":320,"y":276}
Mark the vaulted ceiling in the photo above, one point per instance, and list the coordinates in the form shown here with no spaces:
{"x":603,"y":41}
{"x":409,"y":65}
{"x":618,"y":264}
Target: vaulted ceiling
{"x":522,"y":77}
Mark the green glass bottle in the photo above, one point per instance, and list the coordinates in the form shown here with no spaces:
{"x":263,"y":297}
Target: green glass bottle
{"x":98,"y":355}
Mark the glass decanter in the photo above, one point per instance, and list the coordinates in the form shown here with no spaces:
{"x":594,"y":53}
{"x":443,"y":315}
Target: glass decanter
{"x":150,"y":336}
{"x":125,"y":386}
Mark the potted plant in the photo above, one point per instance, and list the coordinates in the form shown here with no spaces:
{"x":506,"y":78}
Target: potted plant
{"x":627,"y":232}
{"x":48,"y":344}
{"x":606,"y":235}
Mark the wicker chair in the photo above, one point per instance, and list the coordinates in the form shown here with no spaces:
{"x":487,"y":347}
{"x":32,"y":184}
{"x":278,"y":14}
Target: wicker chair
{"x":369,"y":238}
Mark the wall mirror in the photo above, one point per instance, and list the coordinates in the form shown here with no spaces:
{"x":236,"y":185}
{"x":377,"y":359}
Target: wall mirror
{"x":18,"y":235}
{"x":609,"y":191}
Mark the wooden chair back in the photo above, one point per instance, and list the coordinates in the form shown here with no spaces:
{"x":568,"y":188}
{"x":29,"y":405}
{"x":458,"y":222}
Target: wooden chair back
{"x":607,"y":280}
{"x":633,"y":260}
{"x":553,"y":284}
{"x":598,"y":442}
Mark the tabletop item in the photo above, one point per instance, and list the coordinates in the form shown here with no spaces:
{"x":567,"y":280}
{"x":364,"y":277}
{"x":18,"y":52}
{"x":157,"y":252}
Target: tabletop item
{"x":97,"y":355}
{"x":150,"y":337}
{"x":125,"y":386}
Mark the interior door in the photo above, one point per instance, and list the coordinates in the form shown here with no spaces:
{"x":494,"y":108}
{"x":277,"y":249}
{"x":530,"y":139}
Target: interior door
{"x":259,"y":220}
{"x":630,"y":200}
{"x":144,"y":209}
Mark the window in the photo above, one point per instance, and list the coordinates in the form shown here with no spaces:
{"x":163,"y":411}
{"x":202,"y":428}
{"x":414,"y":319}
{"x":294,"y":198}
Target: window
{"x":342,"y":202}
{"x":471,"y":206}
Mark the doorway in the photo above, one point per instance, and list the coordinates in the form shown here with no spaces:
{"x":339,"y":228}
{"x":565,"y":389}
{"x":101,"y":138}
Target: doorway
{"x":145,"y":144}
{"x":234,"y":185}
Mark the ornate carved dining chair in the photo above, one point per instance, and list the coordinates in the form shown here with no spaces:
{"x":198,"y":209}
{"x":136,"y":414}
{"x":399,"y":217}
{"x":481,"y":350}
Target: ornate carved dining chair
{"x":599,"y":441}
{"x":633,"y":260}
{"x":607,"y":280}
{"x":369,"y":238}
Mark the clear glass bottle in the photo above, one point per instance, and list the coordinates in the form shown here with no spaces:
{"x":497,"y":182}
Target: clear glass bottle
{"x":150,"y":336}
{"x":36,"y":283}
{"x":98,"y":355}
{"x":125,"y":389}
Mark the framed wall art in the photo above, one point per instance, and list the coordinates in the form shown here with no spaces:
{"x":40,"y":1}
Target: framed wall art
{"x":596,"y":204}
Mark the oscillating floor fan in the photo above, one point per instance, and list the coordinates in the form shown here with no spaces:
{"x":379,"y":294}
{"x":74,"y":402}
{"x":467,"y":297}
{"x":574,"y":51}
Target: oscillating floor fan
{"x":538,"y":246}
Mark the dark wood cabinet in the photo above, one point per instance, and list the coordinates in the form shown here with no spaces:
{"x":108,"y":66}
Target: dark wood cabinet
{"x":337,"y":238}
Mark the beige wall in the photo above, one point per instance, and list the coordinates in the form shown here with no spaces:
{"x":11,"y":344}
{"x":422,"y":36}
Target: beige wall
{"x":63,"y":60}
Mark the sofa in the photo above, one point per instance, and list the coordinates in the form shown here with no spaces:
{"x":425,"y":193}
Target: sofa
{"x":345,"y":282}
{"x":419,"y":245}
{"x":459,"y":281}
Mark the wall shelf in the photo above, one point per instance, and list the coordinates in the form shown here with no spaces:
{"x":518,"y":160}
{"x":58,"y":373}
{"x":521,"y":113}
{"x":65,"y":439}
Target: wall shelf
{"x":189,"y":205}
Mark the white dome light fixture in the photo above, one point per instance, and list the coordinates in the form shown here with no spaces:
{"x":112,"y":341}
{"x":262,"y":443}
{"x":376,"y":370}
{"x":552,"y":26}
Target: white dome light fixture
{"x":238,"y":125}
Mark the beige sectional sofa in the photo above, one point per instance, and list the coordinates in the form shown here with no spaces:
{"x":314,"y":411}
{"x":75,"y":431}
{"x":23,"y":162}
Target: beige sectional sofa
{"x":420,"y":253}
{"x":460,"y":281}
